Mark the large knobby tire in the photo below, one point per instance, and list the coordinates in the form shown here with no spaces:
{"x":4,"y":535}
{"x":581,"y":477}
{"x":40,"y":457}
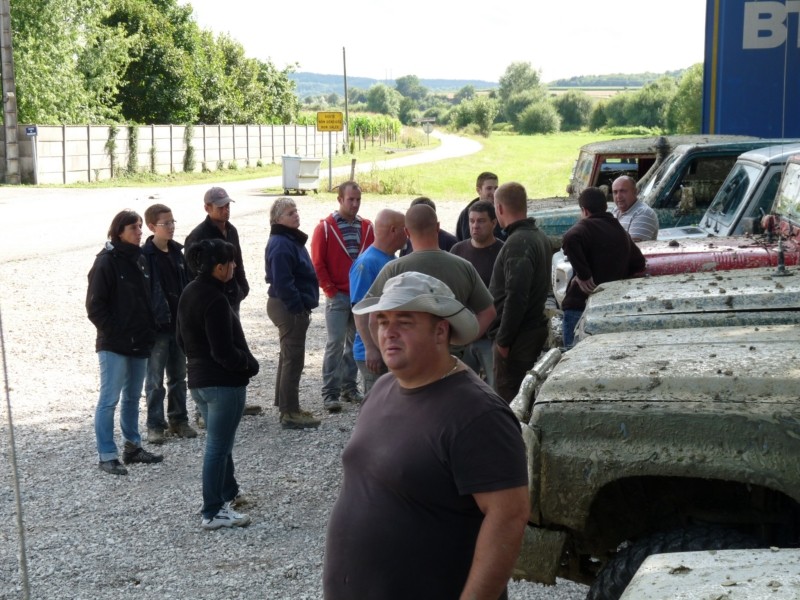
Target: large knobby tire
{"x":618,"y":572}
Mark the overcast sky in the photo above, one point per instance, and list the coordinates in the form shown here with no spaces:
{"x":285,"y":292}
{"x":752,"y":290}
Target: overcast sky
{"x":446,"y":40}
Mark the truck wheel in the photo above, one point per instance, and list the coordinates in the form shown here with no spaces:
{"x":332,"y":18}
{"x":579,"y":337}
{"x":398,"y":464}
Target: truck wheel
{"x":618,"y":572}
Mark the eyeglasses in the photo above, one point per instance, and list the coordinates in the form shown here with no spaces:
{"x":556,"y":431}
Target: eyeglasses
{"x":167,"y":224}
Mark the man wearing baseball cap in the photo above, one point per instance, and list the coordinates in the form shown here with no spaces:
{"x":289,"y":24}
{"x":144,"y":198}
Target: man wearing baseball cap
{"x":435,"y":478}
{"x":217,"y":225}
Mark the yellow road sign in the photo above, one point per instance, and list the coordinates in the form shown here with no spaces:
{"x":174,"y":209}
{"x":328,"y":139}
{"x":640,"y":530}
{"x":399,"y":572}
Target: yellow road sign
{"x":330,"y":121}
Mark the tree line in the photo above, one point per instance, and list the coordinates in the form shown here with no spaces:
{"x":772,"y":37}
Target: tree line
{"x":523,"y":103}
{"x":138,"y":61}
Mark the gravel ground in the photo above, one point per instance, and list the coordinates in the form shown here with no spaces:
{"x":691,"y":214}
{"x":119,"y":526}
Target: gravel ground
{"x":90,"y":535}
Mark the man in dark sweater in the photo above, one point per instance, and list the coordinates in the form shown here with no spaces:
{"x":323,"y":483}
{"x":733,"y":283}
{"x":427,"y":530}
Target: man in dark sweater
{"x":600,"y":250}
{"x":481,"y":249}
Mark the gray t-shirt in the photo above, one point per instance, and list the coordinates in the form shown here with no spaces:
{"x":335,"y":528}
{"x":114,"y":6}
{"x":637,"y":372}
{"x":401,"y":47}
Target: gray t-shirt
{"x":458,"y":274}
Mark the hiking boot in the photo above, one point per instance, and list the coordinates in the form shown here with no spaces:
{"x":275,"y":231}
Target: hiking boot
{"x":252,"y":409}
{"x":182,"y":430}
{"x":299,"y":420}
{"x":199,"y":421}
{"x":332,"y":404}
{"x":226,"y":517}
{"x":137,"y":454}
{"x":112,"y":467}
{"x":155,"y":436}
{"x":353,"y":396}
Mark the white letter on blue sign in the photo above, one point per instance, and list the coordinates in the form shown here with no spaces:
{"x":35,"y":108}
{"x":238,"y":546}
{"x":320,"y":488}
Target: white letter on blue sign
{"x":764,"y":18}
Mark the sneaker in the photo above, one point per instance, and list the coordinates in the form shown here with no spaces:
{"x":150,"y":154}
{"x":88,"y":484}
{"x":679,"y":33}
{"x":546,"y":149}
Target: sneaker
{"x":252,"y":409}
{"x":112,"y":467}
{"x":332,"y":404}
{"x":299,"y":420}
{"x":226,"y":517}
{"x":155,"y":436}
{"x":183,"y":430}
{"x":137,"y":454}
{"x":352,"y":396}
{"x":200,"y":421}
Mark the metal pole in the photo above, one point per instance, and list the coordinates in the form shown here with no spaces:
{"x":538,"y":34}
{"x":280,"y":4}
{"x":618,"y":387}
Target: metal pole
{"x":346,"y":144}
{"x":9,"y":96}
{"x":330,"y":162}
{"x":35,"y":141}
{"x":23,"y":559}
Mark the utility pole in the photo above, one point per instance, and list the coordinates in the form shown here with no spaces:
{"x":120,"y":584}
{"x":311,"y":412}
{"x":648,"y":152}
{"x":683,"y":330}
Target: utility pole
{"x":346,"y":113}
{"x":9,"y":95}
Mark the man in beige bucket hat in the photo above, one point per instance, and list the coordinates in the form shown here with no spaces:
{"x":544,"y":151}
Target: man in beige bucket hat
{"x":435,"y":479}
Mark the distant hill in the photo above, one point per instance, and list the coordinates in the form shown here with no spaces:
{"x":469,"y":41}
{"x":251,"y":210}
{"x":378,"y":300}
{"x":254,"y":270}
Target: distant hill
{"x":315,"y":84}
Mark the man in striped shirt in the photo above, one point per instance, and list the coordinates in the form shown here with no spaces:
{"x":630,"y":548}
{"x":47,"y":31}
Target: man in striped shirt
{"x":636,"y":217}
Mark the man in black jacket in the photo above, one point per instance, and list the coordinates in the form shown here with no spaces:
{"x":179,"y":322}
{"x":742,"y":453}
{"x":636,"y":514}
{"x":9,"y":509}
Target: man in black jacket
{"x":485,"y":186}
{"x":217,"y":225}
{"x":520,"y":282}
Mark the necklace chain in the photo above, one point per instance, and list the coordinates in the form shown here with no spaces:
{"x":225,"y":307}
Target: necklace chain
{"x":452,"y":370}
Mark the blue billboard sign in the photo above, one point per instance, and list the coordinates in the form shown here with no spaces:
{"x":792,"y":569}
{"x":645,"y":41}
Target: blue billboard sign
{"x":751,"y":82}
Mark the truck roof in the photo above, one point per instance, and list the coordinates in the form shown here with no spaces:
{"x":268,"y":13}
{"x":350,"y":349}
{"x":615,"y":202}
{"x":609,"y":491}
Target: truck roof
{"x":779,"y":153}
{"x":726,"y":366}
{"x":648,"y":144}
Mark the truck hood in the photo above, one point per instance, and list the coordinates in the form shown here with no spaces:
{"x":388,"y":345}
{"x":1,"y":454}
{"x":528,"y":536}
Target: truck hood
{"x":741,"y":297}
{"x":666,"y":257}
{"x":555,"y":221}
{"x":725,"y":365}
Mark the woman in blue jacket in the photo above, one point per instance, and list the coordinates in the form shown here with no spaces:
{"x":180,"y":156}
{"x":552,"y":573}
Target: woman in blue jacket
{"x":293,"y":293}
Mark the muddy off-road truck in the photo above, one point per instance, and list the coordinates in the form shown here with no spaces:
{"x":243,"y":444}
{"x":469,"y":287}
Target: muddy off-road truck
{"x":649,"y":442}
{"x":779,"y":246}
{"x":679,"y":187}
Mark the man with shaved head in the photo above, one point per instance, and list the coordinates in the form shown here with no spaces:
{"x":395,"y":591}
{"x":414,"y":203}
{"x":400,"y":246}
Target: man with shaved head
{"x":520,"y":282}
{"x":459,"y":275}
{"x":390,"y":236}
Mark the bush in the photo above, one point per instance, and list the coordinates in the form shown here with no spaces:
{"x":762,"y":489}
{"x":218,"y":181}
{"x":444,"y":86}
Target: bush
{"x":517,"y":103}
{"x":598,"y":117}
{"x":574,"y":108}
{"x":541,"y":117}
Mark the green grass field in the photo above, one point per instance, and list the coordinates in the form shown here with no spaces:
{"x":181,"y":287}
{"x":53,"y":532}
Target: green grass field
{"x":542,"y":163}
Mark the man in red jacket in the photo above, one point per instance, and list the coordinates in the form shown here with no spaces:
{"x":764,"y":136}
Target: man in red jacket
{"x":337,"y":241}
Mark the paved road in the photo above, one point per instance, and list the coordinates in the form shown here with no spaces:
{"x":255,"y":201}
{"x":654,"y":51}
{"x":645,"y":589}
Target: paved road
{"x":45,"y":220}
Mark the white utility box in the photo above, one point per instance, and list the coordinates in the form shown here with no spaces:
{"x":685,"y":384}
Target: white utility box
{"x":300,"y":173}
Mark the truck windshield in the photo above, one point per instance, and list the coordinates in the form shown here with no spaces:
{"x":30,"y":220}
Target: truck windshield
{"x":662,"y":172}
{"x":736,"y":188}
{"x":787,"y":203}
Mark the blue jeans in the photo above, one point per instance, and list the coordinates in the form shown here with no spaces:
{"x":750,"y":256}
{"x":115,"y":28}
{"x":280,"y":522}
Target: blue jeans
{"x":120,"y":377}
{"x":339,"y":371}
{"x":166,"y":355}
{"x":479,"y":356}
{"x":571,"y":318}
{"x":222,"y":409}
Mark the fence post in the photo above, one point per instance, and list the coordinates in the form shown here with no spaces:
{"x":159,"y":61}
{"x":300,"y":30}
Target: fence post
{"x":64,"y":154}
{"x":89,"y":153}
